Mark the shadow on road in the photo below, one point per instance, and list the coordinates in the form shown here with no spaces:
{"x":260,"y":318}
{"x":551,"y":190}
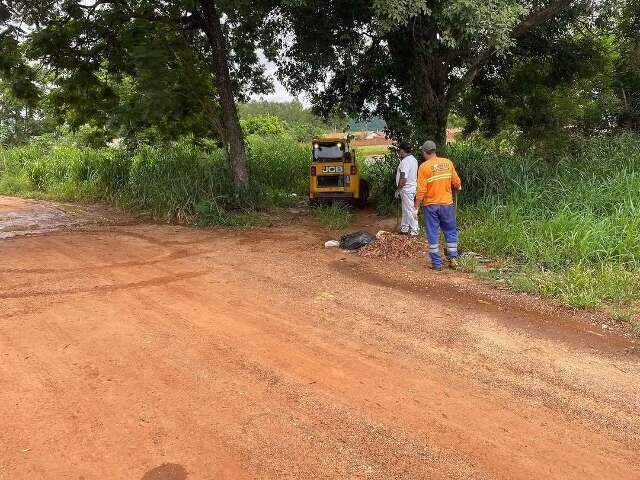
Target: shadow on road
{"x":168,"y":471}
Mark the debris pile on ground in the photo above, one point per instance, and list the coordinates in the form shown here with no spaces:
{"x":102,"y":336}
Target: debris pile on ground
{"x":389,"y":245}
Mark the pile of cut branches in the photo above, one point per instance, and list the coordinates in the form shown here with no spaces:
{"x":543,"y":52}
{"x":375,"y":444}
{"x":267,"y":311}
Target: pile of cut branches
{"x":389,"y":245}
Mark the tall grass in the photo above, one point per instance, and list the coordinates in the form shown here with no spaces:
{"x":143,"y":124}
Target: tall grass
{"x":178,"y":181}
{"x":570,"y":226}
{"x":63,"y":171}
{"x":279,"y":163}
{"x":381,"y":175}
{"x":334,"y":216}
{"x":573,"y":224}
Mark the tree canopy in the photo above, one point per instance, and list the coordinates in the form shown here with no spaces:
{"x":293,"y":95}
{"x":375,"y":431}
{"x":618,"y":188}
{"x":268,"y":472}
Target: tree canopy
{"x":132,"y":64}
{"x":412,"y":61}
{"x":164,"y":69}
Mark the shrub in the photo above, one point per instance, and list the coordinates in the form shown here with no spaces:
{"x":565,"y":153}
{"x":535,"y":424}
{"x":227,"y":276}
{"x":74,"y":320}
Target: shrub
{"x":334,"y":216}
{"x":263,"y":125}
{"x":572,"y":223}
{"x":381,"y":175}
{"x":168,"y":181}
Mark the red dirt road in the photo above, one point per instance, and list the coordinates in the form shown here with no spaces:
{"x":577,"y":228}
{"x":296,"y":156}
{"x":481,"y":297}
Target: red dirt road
{"x":150,"y":352}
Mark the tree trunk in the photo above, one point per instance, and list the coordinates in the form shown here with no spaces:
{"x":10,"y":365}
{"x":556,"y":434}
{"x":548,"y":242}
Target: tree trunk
{"x":231,"y":130}
{"x":429,"y":82}
{"x":432,"y":117}
{"x":425,"y":80}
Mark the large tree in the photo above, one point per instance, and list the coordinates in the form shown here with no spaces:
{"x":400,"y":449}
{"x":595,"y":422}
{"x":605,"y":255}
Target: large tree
{"x":627,"y":78}
{"x":554,"y":83}
{"x":405,"y":60}
{"x":90,"y":46}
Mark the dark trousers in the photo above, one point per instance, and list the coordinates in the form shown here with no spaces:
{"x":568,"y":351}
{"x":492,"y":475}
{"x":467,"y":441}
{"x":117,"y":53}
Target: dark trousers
{"x":436,"y":218}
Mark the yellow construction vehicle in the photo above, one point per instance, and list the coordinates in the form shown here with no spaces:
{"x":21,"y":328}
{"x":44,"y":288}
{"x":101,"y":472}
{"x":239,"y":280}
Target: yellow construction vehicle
{"x":334,"y":174}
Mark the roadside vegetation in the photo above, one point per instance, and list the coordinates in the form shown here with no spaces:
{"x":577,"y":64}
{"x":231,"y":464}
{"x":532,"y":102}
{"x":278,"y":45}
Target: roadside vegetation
{"x":569,"y":224}
{"x":567,"y":227}
{"x":177,"y":181}
{"x":334,"y":216}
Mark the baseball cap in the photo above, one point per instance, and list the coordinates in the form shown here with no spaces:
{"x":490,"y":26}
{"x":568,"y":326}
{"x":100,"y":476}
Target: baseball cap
{"x":428,"y":146}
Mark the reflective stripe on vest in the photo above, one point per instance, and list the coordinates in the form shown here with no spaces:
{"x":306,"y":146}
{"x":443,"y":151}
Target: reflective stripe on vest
{"x":444,"y":176}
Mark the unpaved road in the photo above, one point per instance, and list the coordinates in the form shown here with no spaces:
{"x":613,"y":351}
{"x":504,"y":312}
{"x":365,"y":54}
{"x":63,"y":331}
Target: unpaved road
{"x":166,"y":353}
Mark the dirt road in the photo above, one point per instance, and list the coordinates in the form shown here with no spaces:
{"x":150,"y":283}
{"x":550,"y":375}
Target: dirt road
{"x":167,"y":353}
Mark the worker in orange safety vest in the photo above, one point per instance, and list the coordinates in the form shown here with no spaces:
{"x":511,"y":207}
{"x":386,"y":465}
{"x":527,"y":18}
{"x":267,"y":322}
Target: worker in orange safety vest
{"x":437,"y":180}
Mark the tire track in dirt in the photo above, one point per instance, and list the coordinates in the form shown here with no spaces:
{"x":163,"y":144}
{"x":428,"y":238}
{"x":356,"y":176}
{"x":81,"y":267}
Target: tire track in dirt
{"x":104,"y":288}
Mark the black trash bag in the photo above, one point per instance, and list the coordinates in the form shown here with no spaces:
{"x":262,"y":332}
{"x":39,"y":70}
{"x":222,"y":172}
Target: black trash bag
{"x":357,"y":240}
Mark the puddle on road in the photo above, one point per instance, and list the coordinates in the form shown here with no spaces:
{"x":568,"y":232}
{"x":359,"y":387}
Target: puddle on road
{"x":19,"y":216}
{"x":38,"y":218}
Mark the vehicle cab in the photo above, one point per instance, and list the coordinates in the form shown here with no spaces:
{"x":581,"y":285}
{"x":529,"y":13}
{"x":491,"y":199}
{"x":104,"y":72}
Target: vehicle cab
{"x":334,"y":173}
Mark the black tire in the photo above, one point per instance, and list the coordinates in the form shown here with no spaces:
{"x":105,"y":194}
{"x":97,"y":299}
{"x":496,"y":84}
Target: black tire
{"x":364,"y":194}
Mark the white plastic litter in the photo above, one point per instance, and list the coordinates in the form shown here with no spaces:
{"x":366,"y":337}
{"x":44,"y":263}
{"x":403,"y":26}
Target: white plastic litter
{"x":332,"y":244}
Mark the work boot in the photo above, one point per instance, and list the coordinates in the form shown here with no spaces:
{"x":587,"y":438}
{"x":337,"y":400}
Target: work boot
{"x":435,"y":268}
{"x":453,"y":263}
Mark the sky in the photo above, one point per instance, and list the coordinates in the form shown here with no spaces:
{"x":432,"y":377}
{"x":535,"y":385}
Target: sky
{"x":280,"y":94}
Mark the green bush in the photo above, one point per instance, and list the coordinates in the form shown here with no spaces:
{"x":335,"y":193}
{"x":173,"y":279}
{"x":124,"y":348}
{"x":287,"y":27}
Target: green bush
{"x":381,"y":175}
{"x":572,"y":223}
{"x":169,"y":181}
{"x":263,"y":125}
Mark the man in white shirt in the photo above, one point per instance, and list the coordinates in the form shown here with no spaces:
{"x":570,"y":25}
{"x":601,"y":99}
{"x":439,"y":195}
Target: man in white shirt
{"x":407,"y":181}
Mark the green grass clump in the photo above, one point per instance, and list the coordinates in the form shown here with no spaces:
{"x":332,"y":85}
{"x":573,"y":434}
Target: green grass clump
{"x":589,"y":286}
{"x":14,"y":185}
{"x":178,"y":181}
{"x":468,"y":264}
{"x":210,"y":213}
{"x":334,"y":216}
{"x":619,"y":316}
{"x":571,"y":225}
{"x":381,"y":175}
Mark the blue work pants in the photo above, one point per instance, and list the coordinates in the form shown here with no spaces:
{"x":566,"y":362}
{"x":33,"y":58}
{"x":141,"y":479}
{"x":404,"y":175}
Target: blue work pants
{"x":437,"y":217}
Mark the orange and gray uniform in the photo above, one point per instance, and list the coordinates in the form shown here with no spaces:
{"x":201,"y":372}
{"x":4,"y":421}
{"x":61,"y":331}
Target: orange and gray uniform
{"x":437,"y":178}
